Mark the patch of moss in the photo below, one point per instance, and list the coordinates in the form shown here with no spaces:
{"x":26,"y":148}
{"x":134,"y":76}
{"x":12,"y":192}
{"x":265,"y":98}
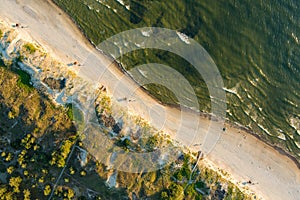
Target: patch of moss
{"x":30,"y":48}
{"x":69,"y":107}
{"x":24,"y":80}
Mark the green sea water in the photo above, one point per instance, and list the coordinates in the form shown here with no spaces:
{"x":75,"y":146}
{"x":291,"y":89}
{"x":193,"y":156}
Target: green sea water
{"x":255,"y":44}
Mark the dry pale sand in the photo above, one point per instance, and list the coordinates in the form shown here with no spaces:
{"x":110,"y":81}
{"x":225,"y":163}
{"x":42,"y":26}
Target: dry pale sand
{"x":246,"y":158}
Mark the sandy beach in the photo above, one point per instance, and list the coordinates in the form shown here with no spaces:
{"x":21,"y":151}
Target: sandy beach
{"x":272,"y":174}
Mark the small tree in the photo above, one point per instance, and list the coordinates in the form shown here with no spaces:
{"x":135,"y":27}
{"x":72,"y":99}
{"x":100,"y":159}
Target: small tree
{"x":175,"y":191}
{"x":47,"y":190}
{"x":126,"y":142}
{"x":152,"y":142}
{"x":26,"y":193}
{"x":8,"y":157}
{"x":10,"y":169}
{"x":66,"y":148}
{"x":41,"y":180}
{"x":11,"y":115}
{"x":3,"y":190}
{"x":70,"y":194}
{"x":82,"y":173}
{"x":164,"y":195}
{"x":26,"y":173}
{"x":15,"y":182}
{"x":72,"y":171}
{"x":61,"y":161}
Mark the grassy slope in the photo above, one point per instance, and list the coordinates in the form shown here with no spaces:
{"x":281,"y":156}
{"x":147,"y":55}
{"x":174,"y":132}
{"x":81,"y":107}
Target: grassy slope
{"x":36,"y":137}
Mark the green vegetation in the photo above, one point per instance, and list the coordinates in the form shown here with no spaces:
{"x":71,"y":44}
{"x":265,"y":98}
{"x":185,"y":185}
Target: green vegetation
{"x":15,"y":182}
{"x":26,"y":193}
{"x":174,"y":192}
{"x":152,"y":142}
{"x":60,"y":157}
{"x":70,"y":111}
{"x":20,"y":58}
{"x":24,"y":79}
{"x":29,"y":116}
{"x":184,"y":172}
{"x":43,"y":139}
{"x":30,"y":48}
{"x":1,"y":33}
{"x":170,"y":181}
{"x":47,"y":190}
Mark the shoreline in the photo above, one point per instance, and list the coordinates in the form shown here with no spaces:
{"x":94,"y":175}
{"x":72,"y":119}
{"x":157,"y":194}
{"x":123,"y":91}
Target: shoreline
{"x":206,"y":115}
{"x":227,"y":159}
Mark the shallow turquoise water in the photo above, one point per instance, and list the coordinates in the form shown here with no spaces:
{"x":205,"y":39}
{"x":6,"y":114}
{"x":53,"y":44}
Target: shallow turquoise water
{"x":255,"y":44}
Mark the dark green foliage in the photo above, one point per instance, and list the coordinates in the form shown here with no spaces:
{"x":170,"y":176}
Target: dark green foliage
{"x":126,"y":142}
{"x":30,"y":48}
{"x":24,"y":80}
{"x":69,"y":107}
{"x":164,"y":195}
{"x":152,"y":142}
{"x":175,"y":191}
{"x":184,"y":171}
{"x":20,"y":58}
{"x":200,"y":185}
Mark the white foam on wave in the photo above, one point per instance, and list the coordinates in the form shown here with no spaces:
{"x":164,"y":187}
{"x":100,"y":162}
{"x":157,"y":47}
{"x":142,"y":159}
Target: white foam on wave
{"x":146,"y":33}
{"x":259,"y":69}
{"x":143,"y":72}
{"x":295,"y":123}
{"x":183,"y":37}
{"x":249,"y":96}
{"x":263,"y":74}
{"x":247,"y":112}
{"x":254,"y":118}
{"x":292,"y":103}
{"x":253,"y":81}
{"x":295,"y":38}
{"x":140,"y":45}
{"x":121,"y":2}
{"x":281,"y":136}
{"x":264,"y":129}
{"x":228,"y":112}
{"x":240,"y":97}
{"x":232,"y":90}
